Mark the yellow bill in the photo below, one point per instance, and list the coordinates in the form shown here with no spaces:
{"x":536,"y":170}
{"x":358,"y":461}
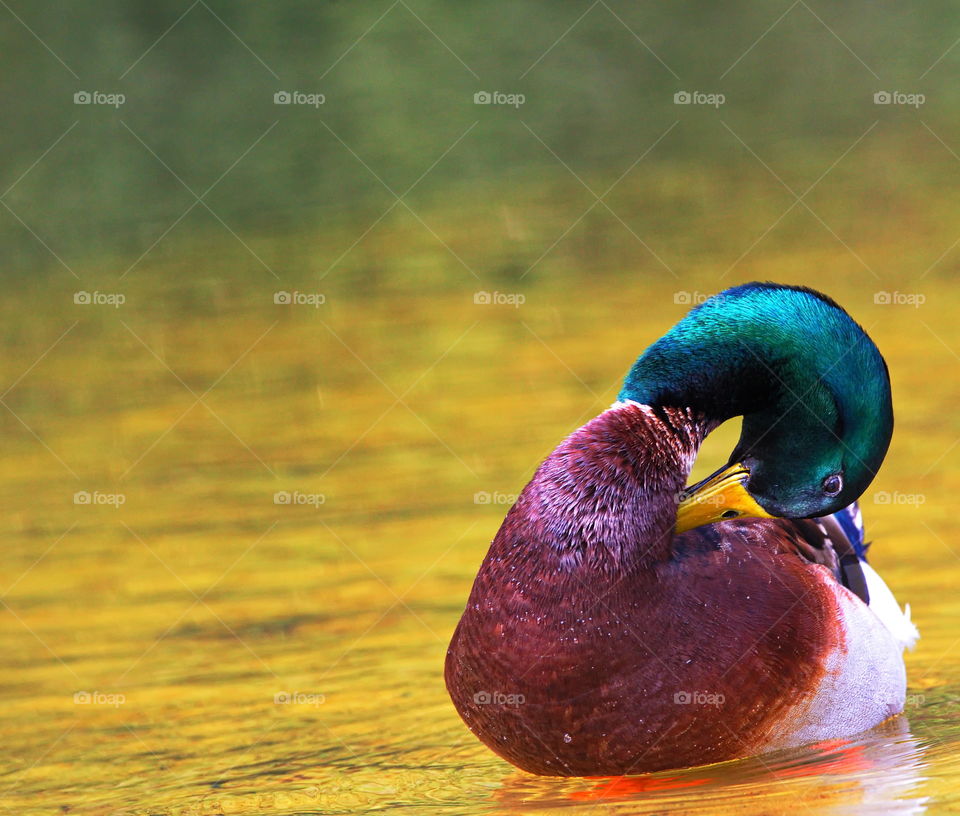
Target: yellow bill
{"x":720,"y":497}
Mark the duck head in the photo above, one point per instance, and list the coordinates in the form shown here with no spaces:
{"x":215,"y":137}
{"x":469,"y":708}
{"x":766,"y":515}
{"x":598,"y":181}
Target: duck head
{"x":811,"y":386}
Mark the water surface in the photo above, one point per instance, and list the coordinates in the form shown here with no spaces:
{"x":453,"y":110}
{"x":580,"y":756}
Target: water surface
{"x":187,"y":641}
{"x":186,"y":610}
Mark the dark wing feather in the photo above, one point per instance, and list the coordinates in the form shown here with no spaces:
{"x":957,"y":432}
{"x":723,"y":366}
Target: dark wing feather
{"x":836,"y":541}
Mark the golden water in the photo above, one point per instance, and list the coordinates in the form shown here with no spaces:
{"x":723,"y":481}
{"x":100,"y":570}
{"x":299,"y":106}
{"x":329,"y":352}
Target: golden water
{"x":185,"y":610}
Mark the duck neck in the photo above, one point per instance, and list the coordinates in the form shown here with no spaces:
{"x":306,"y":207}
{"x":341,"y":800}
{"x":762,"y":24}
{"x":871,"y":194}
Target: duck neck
{"x":606,"y":498}
{"x":720,"y":378}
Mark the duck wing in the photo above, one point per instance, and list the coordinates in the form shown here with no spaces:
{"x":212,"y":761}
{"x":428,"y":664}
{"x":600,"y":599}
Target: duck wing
{"x":837,"y":542}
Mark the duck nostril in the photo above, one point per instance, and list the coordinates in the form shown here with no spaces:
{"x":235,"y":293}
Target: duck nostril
{"x":729,"y":514}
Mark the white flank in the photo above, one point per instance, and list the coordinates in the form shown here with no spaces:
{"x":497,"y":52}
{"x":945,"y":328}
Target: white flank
{"x":885,"y":607}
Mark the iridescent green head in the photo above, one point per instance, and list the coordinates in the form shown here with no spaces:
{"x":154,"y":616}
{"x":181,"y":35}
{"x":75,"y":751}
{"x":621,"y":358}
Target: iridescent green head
{"x":811,"y":386}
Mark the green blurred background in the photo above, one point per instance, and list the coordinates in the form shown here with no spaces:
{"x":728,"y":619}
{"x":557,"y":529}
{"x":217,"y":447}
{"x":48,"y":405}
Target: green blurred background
{"x":593,"y":215}
{"x":399,"y":80}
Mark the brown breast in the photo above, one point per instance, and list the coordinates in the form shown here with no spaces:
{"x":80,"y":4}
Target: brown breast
{"x":583,"y":652}
{"x":692,"y":663}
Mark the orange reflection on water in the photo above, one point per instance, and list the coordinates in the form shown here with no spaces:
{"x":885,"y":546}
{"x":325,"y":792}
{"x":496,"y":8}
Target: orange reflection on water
{"x":616,"y":786}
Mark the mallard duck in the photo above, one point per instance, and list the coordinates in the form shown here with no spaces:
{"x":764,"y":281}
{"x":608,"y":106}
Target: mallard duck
{"x":624,"y":623}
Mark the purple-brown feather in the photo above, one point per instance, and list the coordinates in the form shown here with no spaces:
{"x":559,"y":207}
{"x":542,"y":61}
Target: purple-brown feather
{"x":596,"y":642}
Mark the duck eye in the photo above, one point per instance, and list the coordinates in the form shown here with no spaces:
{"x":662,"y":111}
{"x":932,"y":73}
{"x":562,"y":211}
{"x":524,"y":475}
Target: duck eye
{"x":833,"y":484}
